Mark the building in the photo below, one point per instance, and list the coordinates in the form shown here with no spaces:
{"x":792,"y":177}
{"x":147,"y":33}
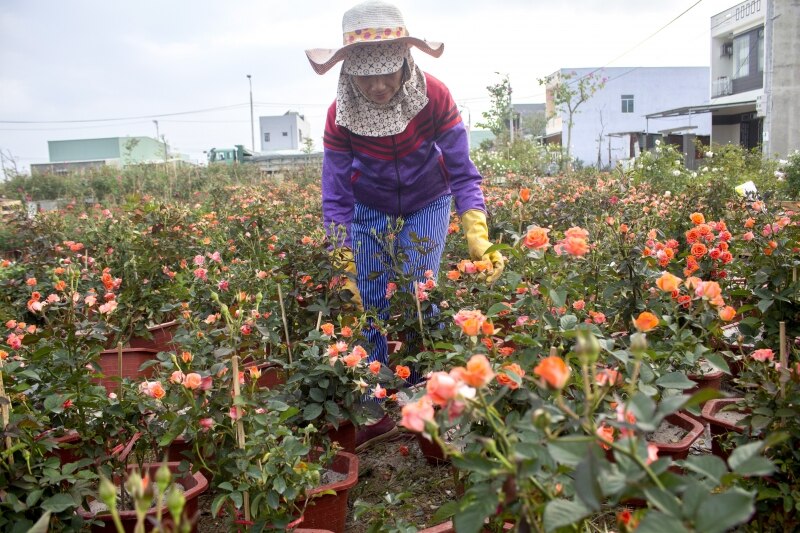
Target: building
{"x":612,"y":124}
{"x":283,"y":132}
{"x":83,"y":154}
{"x":755,"y":86}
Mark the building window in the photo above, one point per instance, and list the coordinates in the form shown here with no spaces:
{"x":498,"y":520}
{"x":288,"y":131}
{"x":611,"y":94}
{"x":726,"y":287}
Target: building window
{"x":741,"y":56}
{"x":285,"y":133}
{"x":748,"y":61}
{"x":266,"y":137}
{"x":627,"y":103}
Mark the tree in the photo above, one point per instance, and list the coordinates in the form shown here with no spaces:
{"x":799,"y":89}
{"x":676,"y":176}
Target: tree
{"x":308,"y":145}
{"x":498,"y":115}
{"x":567,"y":96}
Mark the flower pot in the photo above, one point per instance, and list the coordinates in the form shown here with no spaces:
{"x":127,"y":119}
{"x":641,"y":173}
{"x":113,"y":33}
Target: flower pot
{"x":66,"y":449}
{"x":272,"y":374}
{"x":431,"y":451}
{"x":194,"y":485}
{"x":132,"y":359}
{"x":161,"y":337}
{"x":680,"y":449}
{"x":345,"y":435}
{"x":330,"y":511}
{"x":722,"y":422}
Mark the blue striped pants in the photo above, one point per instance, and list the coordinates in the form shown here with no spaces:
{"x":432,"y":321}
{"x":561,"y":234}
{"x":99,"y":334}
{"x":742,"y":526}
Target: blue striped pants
{"x":420,"y":236}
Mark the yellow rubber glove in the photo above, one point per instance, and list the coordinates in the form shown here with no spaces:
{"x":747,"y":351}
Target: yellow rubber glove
{"x":343,"y":259}
{"x":477,"y":233}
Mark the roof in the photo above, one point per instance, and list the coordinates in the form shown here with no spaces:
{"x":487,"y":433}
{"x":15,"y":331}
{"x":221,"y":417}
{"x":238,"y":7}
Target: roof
{"x":731,"y":108}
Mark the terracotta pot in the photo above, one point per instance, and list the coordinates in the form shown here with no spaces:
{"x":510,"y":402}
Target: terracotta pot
{"x":330,"y":511}
{"x":194,"y":485}
{"x":680,"y":450}
{"x":272,"y":374}
{"x":345,"y":435}
{"x":132,"y":359}
{"x":66,"y":450}
{"x":161,"y":337}
{"x":718,"y":425}
{"x":431,"y":451}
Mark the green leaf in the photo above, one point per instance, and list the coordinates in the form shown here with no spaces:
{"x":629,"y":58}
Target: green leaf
{"x":568,"y":322}
{"x":34,"y":495}
{"x":496,"y":308}
{"x":717,"y":361}
{"x":720,"y":512}
{"x":312,"y":411}
{"x":763,"y":305}
{"x":225,"y":485}
{"x":279,"y":485}
{"x":709,"y":466}
{"x":445,"y":512}
{"x":568,"y":452}
{"x":236,"y":498}
{"x":58,"y":503}
{"x":658,"y":522}
{"x":664,"y":500}
{"x":473,"y":512}
{"x":55,"y":404}
{"x":675,"y":380}
{"x":317,"y":394}
{"x":587,"y":482}
{"x":560,"y":513}
{"x":216,"y":505}
{"x":474,"y":464}
{"x":746,"y":460}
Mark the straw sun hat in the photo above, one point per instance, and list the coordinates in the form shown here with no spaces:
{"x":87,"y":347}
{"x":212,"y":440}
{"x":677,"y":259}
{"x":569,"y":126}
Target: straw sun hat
{"x":370,"y":22}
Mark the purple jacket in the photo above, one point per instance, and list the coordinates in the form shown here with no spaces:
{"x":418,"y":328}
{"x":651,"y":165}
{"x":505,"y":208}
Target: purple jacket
{"x":402,"y":173}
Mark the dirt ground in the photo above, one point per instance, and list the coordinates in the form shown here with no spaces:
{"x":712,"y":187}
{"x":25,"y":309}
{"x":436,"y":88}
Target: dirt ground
{"x":392,"y":467}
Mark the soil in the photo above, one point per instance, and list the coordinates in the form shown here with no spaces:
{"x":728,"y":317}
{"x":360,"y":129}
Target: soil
{"x":729,"y":417}
{"x":667,"y":433}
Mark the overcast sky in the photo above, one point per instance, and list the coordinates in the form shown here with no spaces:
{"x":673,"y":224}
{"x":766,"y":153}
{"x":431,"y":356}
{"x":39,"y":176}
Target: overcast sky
{"x":67,"y":60}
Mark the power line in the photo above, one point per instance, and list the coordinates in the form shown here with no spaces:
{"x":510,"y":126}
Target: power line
{"x":219,"y":108}
{"x":640,"y":43}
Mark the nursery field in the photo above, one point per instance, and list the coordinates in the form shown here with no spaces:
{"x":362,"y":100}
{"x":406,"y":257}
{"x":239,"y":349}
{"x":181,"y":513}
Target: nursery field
{"x":635,"y":367}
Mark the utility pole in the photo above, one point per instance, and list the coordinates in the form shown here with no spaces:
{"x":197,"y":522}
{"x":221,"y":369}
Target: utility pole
{"x":511,"y":115}
{"x":252,"y":122}
{"x":766,"y":98}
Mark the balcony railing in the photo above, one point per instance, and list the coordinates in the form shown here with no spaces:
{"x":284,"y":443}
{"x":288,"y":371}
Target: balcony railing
{"x":721,"y":87}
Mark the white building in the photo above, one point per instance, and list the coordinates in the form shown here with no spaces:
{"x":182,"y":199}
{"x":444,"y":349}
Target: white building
{"x":612,"y":124}
{"x":283,"y":132}
{"x":755,"y":87}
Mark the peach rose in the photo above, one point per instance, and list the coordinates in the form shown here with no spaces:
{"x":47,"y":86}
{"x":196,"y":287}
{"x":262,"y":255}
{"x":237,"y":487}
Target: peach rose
{"x":668,"y":282}
{"x":416,"y":414}
{"x":646,"y":321}
{"x":478,"y":371}
{"x":554,"y":371}
{"x":192,"y":381}
{"x":537,"y":239}
{"x":441,"y":388}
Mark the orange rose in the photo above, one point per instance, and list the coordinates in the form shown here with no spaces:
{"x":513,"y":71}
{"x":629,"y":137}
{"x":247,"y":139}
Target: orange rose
{"x":668,"y":282}
{"x":645,"y":321}
{"x":327,"y":329}
{"x":402,"y":372}
{"x":727,"y":313}
{"x":554,"y":371}
{"x":697,"y":218}
{"x":605,"y":433}
{"x":453,"y":275}
{"x":192,"y":380}
{"x":375,"y":367}
{"x":537,"y":239}
{"x":504,"y":379}
{"x":574,"y":246}
{"x":699,"y":250}
{"x":525,"y":194}
{"x":478,"y":372}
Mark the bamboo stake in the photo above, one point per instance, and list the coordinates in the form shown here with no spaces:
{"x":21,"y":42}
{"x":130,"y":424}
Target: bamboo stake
{"x":319,"y":320}
{"x":240,"y":441}
{"x":553,"y":351}
{"x":285,"y":324}
{"x":5,"y":407}
{"x":119,"y":369}
{"x":784,"y":355}
{"x":419,"y":313}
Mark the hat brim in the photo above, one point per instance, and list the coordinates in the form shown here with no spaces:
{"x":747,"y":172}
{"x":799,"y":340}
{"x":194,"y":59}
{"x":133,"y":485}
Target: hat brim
{"x":323,"y":59}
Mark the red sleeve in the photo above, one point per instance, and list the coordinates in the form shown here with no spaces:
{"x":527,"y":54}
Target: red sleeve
{"x":335,"y":137}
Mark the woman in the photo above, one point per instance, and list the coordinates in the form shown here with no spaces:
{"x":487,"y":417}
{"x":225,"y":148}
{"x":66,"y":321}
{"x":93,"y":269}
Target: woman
{"x":394,"y":148}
